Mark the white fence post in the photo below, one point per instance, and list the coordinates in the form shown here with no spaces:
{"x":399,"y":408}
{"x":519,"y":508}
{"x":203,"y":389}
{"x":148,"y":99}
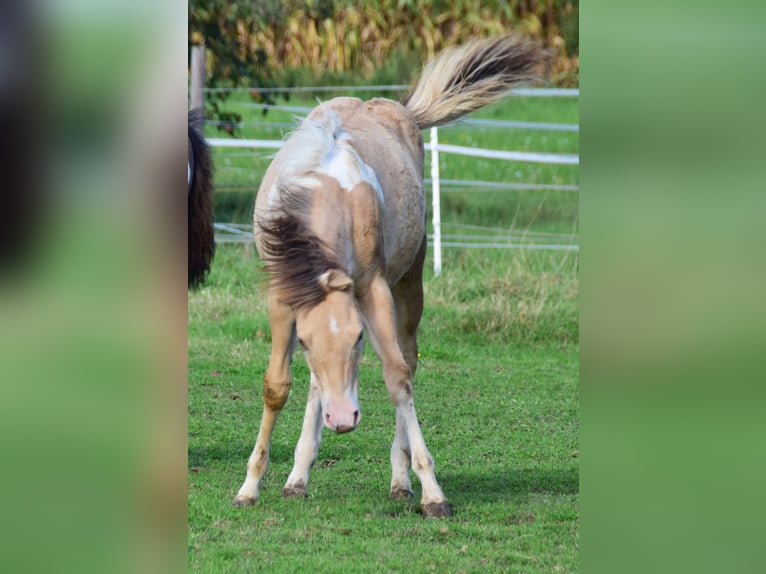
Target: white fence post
{"x":437,"y":217}
{"x":198,"y":70}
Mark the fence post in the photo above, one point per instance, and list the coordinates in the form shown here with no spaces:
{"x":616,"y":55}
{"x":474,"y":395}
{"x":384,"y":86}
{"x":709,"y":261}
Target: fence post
{"x":198,"y":70}
{"x":436,"y":203}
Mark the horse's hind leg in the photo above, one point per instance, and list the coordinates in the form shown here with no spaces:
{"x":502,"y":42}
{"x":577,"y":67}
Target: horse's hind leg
{"x":408,"y":301}
{"x":276,"y":387}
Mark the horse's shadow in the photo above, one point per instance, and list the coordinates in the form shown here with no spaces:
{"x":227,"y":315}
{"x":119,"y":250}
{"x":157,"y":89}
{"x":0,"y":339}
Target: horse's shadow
{"x":210,"y":456}
{"x":474,"y":484}
{"x":504,"y":483}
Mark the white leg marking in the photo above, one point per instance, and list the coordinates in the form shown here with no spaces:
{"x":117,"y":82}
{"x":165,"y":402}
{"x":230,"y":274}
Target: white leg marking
{"x":400,"y":460}
{"x":422,"y":461}
{"x":258,"y":463}
{"x":307,"y":449}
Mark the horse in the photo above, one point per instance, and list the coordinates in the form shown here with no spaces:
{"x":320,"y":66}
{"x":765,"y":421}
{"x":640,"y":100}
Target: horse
{"x":201,"y":241}
{"x":339,"y":223}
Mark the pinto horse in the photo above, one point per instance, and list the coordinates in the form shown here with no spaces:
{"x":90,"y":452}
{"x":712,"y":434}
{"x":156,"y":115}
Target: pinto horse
{"x":340,"y":225}
{"x":201,"y":242}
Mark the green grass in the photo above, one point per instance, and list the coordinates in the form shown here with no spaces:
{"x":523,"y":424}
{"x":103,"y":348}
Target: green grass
{"x":496,"y":393}
{"x":498,"y":407}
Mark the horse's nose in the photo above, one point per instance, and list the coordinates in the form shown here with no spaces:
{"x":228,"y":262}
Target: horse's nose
{"x":341,"y":424}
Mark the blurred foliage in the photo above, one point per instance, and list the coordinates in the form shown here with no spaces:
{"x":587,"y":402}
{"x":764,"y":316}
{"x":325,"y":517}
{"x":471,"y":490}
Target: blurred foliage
{"x":257,"y":43}
{"x":234,"y":59}
{"x":344,"y":35}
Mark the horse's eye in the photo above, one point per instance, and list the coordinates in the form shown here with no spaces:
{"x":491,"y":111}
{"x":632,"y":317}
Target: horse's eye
{"x":302,"y":344}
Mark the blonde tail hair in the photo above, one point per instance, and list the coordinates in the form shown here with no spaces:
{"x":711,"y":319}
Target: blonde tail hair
{"x":463,"y":79}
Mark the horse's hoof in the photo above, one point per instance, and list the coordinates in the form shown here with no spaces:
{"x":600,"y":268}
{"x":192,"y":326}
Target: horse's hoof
{"x":436,"y":510}
{"x":295,"y":491}
{"x":243,"y":500}
{"x":400,"y":494}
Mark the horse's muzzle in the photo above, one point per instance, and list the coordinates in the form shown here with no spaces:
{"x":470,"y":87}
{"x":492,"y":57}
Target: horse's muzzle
{"x":342,"y":420}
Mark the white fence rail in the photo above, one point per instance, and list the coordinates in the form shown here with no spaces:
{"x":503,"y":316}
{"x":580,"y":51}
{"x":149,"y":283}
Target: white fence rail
{"x":556,"y":158}
{"x":468,"y":121}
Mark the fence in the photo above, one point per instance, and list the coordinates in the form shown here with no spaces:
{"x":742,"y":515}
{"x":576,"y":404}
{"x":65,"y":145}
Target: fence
{"x":527,"y":240}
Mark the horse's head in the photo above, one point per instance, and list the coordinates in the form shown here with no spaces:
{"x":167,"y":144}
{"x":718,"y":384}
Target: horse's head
{"x":330,"y":333}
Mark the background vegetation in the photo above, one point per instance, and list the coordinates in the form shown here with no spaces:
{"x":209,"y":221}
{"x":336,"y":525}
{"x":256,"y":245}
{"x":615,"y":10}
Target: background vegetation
{"x":308,"y":42}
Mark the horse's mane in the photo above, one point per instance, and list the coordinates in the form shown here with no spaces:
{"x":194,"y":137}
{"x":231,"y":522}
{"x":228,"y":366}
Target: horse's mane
{"x":314,"y":138}
{"x":293,"y":255}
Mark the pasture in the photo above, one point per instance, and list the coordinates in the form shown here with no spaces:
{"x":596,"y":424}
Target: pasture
{"x":496,"y":388}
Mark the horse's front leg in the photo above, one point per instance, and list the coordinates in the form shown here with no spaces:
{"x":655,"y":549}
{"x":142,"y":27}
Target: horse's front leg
{"x":307,"y":448}
{"x":276,"y":387}
{"x":378,"y":310}
{"x":401,"y":460}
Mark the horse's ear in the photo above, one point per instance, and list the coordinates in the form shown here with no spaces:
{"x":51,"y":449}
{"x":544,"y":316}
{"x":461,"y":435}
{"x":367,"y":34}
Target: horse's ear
{"x":335,"y":280}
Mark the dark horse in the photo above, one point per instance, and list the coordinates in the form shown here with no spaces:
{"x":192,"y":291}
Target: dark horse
{"x":200,"y":195}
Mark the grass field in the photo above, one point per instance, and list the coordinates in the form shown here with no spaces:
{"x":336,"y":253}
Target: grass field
{"x":496,"y":392}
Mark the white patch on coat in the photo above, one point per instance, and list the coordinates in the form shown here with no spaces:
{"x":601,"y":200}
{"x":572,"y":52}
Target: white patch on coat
{"x":334,"y":326}
{"x":343,"y":163}
{"x":311,"y":437}
{"x":321,"y":145}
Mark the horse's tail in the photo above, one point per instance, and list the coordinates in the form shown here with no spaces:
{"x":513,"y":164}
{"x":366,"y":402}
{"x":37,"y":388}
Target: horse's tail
{"x":201,"y":244}
{"x":461,"y":80}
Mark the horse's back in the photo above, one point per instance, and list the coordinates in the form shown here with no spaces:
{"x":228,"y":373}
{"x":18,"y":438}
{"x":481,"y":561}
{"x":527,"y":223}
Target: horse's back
{"x":381,"y":125}
{"x":388,"y":140}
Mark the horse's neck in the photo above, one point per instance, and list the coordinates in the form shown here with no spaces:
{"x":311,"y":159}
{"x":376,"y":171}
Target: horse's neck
{"x":330,"y":221}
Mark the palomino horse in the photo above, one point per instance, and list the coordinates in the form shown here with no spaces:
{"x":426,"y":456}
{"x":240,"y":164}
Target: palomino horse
{"x":340,"y":225}
{"x":201,"y":244}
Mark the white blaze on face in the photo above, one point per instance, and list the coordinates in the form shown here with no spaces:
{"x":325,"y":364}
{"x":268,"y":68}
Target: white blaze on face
{"x":333,"y":326}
